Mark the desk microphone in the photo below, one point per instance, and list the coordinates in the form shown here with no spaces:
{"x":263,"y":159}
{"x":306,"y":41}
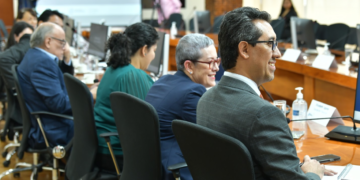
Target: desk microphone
{"x":341,"y":133}
{"x":72,"y":28}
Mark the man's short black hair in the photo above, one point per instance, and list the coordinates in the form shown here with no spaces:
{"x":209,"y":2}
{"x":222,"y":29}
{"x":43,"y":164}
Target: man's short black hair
{"x":238,"y":26}
{"x":45,"y":16}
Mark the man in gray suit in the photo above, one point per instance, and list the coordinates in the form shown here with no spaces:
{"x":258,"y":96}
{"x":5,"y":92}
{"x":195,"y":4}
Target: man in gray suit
{"x":235,"y":106}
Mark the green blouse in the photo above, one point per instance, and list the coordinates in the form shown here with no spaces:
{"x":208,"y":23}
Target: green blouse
{"x":126,"y":79}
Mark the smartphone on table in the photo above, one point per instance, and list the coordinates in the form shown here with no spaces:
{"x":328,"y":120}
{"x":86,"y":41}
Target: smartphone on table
{"x":326,"y":158}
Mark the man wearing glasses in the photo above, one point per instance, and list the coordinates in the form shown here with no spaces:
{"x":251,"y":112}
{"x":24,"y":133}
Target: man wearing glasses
{"x":56,"y":17}
{"x":42,"y":83}
{"x":235,"y":106}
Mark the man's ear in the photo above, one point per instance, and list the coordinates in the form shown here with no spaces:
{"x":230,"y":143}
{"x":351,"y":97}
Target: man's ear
{"x":243,"y":48}
{"x":47,"y":42}
{"x":144,"y":50}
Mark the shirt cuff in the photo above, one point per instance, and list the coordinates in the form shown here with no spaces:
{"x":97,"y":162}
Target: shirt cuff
{"x":69,"y":64}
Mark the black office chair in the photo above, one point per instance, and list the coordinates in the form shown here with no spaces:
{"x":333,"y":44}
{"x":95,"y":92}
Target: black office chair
{"x":153,"y":23}
{"x":12,"y":129}
{"x":175,"y":17}
{"x":217,"y":22}
{"x":52,"y":153}
{"x":212,"y":155}
{"x":278,"y":26}
{"x":336,"y":35}
{"x":138,"y":129}
{"x":320,"y":31}
{"x":352,"y":37}
{"x":85,"y":141}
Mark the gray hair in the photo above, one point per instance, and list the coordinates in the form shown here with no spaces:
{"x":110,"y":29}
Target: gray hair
{"x":189,"y":48}
{"x":38,"y":37}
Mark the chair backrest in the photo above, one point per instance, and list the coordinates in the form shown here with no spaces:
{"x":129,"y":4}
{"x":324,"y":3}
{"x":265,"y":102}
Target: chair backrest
{"x":278,"y":26}
{"x":138,"y":127}
{"x":212,"y":155}
{"x":3,"y":30}
{"x":24,"y":112}
{"x":85,"y":142}
{"x":352,"y":37}
{"x":175,"y":17}
{"x":336,"y":34}
{"x":217,"y":22}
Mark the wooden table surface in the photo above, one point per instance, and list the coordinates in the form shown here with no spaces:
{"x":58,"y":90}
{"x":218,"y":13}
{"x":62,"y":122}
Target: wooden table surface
{"x":315,"y":145}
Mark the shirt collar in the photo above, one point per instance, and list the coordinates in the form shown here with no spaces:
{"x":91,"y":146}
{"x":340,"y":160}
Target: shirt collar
{"x":49,"y":54}
{"x":244,"y":79}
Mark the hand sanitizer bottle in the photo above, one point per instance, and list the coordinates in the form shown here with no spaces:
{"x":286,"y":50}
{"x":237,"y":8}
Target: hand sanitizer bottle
{"x":173,"y":30}
{"x":326,"y":49}
{"x":299,"y":107}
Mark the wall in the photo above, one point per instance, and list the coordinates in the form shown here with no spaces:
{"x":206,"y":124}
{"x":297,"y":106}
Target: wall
{"x":323,"y":11}
{"x":186,"y":12}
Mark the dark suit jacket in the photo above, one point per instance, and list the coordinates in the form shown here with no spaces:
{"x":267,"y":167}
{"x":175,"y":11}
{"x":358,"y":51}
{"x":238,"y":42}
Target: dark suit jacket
{"x":174,"y":97}
{"x":44,"y":89}
{"x":233,"y":108}
{"x":14,"y":55}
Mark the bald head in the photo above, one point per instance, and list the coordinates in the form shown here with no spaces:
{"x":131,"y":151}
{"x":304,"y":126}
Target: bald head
{"x":50,"y":37}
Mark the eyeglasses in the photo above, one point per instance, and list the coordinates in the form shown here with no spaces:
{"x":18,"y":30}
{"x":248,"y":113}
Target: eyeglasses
{"x":63,"y":42}
{"x":211,"y":63}
{"x":273,"y":43}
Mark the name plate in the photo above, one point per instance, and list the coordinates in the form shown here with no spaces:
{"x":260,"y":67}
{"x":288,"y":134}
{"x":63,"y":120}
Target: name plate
{"x":324,"y":62}
{"x":318,"y":109}
{"x":291,"y":55}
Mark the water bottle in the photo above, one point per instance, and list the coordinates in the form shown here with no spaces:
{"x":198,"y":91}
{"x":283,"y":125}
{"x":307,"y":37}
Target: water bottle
{"x":173,"y":30}
{"x":299,"y":107}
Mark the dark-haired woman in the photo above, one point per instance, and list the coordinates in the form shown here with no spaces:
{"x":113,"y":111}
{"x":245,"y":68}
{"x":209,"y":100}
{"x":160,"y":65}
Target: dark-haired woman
{"x":287,"y":11}
{"x":19,"y":29}
{"x":21,"y":33}
{"x":131,"y":54}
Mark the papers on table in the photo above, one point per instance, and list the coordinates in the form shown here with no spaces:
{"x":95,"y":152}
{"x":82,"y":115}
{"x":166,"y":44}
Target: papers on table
{"x":352,"y":174}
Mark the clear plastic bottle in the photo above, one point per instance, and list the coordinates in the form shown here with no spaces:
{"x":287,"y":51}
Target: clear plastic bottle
{"x":299,"y":107}
{"x":173,"y":30}
{"x":326,"y":49}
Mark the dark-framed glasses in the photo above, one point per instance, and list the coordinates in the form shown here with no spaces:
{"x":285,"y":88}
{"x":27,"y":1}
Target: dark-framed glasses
{"x":272,"y":42}
{"x":62,"y":41}
{"x":212,"y":63}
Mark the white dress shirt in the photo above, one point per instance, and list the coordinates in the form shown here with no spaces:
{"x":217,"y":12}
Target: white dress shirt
{"x":244,"y":79}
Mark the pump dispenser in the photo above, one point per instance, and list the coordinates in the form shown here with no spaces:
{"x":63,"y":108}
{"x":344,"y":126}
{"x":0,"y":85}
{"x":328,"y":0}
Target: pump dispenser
{"x":326,"y":49}
{"x":173,"y":30}
{"x":299,"y":107}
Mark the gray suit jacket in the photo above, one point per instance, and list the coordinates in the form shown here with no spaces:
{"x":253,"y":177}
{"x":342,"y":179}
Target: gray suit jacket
{"x":233,"y":108}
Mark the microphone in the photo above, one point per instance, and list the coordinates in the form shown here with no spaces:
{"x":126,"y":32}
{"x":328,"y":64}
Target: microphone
{"x":339,"y":40}
{"x":341,"y":133}
{"x":72,"y":28}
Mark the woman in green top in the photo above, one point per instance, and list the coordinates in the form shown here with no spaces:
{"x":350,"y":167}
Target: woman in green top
{"x":131,"y":54}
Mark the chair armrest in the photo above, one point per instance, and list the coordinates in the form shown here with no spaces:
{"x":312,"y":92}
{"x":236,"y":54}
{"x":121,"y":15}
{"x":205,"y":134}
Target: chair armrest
{"x":177,"y":166}
{"x":107,"y":135}
{"x":17,"y":128}
{"x":52,"y":114}
{"x":175,"y":169}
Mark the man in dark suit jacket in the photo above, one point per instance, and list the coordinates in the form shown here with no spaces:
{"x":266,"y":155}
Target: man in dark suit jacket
{"x":43,"y":85}
{"x":14,"y":55}
{"x":235,"y":107}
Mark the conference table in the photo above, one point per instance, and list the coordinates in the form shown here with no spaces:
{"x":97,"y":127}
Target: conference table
{"x":315,"y":145}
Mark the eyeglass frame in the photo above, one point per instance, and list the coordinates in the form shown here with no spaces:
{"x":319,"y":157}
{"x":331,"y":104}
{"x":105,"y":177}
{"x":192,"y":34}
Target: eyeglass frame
{"x":218,"y":61}
{"x":273,"y":43}
{"x":63,"y":42}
